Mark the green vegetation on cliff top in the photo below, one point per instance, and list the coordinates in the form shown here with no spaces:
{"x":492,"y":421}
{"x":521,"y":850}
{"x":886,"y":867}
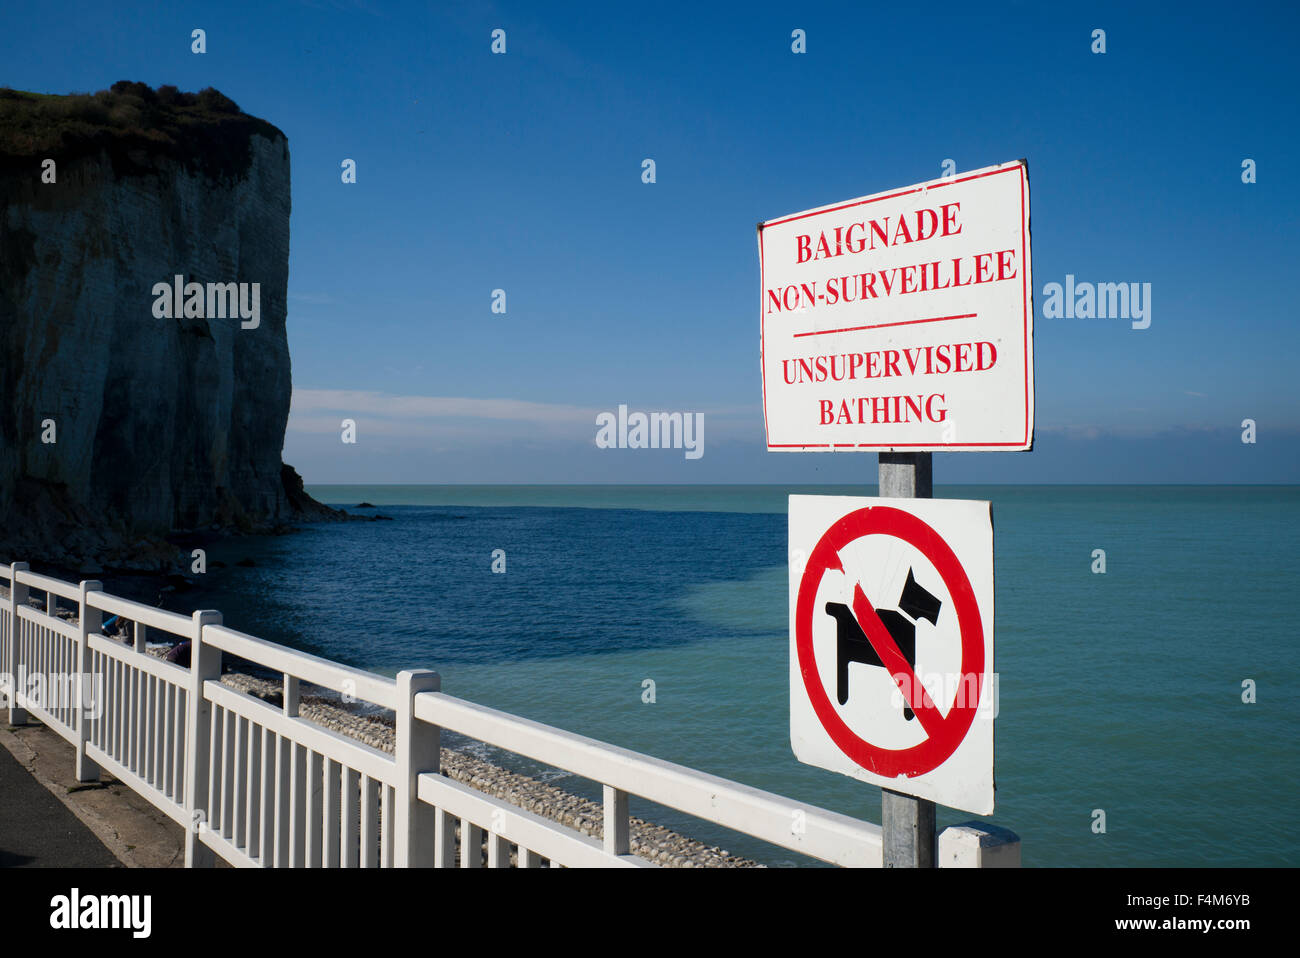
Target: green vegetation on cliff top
{"x":131,"y":122}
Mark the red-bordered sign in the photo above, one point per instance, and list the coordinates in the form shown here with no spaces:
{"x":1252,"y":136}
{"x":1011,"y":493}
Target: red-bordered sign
{"x":825,"y":324}
{"x":943,"y":733}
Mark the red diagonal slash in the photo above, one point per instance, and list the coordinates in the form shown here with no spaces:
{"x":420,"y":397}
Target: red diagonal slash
{"x":931,"y":718}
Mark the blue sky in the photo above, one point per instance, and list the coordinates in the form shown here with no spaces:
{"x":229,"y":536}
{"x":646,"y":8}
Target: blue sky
{"x":523,"y":172}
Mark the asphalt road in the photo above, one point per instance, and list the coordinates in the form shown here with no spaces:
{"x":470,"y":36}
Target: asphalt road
{"x":37,"y":830}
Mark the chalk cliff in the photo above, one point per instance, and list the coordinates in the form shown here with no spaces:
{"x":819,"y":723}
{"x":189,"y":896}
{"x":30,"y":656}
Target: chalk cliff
{"x":117,"y":425}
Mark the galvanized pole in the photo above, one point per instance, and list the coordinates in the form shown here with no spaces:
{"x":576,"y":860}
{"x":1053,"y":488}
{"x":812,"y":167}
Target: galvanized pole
{"x":907,"y":822}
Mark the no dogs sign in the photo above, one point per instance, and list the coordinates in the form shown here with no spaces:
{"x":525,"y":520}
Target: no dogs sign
{"x":891,"y":644}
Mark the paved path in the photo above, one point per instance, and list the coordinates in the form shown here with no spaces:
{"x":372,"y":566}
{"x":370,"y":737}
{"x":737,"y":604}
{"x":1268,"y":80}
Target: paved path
{"x":37,"y":830}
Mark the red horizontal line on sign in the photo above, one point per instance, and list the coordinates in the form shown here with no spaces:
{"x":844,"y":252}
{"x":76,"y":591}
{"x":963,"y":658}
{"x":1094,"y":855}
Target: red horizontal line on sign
{"x":905,"y":322}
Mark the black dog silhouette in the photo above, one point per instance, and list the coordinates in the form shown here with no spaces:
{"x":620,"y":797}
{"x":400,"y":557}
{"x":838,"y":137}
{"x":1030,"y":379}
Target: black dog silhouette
{"x":852,"y":644}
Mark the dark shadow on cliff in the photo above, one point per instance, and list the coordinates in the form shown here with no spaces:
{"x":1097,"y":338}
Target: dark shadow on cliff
{"x":130,"y":431}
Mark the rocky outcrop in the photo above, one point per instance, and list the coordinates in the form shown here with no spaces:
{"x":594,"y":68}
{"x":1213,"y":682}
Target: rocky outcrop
{"x":124,"y":418}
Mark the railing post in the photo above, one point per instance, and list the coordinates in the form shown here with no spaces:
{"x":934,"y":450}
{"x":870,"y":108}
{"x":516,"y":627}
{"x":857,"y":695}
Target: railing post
{"x":7,"y":678}
{"x":292,"y":696}
{"x":89,"y":620}
{"x":617,"y":831}
{"x":17,"y":599}
{"x":205,"y":664}
{"x":444,"y":845}
{"x":978,"y":845}
{"x":293,"y":777}
{"x":418,"y":750}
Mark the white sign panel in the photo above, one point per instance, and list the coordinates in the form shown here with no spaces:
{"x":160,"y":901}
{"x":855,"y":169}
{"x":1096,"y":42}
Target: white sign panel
{"x":891,"y":644}
{"x":902,"y":321}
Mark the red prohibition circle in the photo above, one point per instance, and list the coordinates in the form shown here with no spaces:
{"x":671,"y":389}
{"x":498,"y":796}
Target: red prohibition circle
{"x":883,"y":520}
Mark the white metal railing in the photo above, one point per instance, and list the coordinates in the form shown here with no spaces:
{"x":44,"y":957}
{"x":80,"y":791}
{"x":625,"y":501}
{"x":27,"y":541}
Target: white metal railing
{"x":281,"y":790}
{"x":137,"y":721}
{"x":40,"y":649}
{"x":261,"y":786}
{"x":775,"y":819}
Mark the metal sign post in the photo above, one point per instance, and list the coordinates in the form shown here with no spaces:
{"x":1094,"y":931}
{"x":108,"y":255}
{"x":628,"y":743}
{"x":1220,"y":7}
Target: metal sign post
{"x":908,"y":823}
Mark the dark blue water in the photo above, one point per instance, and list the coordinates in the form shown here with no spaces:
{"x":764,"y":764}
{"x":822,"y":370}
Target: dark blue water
{"x":1120,"y":692}
{"x":420,"y":591}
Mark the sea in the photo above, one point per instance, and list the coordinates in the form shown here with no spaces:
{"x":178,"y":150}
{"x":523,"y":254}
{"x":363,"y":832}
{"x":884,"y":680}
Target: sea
{"x":1146,"y":713}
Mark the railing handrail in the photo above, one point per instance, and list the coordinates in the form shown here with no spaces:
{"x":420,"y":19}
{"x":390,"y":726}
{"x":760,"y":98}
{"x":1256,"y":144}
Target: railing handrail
{"x":522,"y":826}
{"x":816,"y":832}
{"x":44,"y":619}
{"x":367,"y":686}
{"x":155,"y":618}
{"x":159,"y":668}
{"x":64,"y":590}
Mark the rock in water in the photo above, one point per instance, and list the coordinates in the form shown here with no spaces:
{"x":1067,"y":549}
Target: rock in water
{"x":124,"y":417}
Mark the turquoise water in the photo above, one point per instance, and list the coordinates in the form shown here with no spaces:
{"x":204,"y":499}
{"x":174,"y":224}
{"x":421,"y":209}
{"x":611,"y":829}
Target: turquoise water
{"x":1120,"y":692}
